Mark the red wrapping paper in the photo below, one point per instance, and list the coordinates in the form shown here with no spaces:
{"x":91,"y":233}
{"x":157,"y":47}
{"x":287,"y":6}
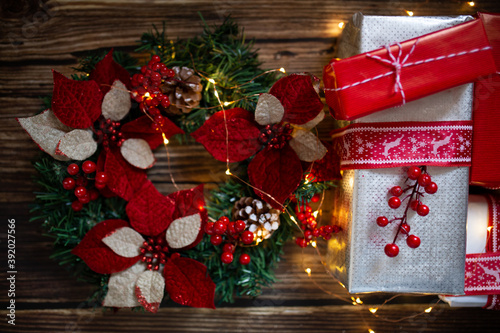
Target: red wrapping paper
{"x":360,"y":85}
{"x":485,"y":170}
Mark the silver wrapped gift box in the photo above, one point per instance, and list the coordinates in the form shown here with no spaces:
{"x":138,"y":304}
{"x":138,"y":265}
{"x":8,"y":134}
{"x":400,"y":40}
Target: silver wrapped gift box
{"x":356,"y":255}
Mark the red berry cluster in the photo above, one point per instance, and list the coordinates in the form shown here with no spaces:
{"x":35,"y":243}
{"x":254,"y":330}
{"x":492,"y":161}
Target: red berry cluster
{"x":147,"y":92}
{"x":310,"y":226}
{"x":80,"y":184}
{"x":109,"y":133}
{"x":422,"y":181}
{"x":154,"y":251}
{"x":276,"y":136}
{"x":235,"y":234}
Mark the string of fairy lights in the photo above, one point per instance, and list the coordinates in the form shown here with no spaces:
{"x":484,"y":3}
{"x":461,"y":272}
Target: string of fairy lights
{"x":355,"y":301}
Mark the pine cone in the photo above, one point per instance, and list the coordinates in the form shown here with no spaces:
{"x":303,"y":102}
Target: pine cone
{"x":184,"y":90}
{"x":258,"y":216}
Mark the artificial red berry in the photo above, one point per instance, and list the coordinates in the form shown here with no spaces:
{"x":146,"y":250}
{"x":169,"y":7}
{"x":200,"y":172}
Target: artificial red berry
{"x":88,"y":166}
{"x":431,"y":188}
{"x":391,"y":250}
{"x":224,"y":219}
{"x":328,"y":229}
{"x":155,"y":58}
{"x":301,"y":216}
{"x":327,"y":236}
{"x":405,"y":228}
{"x":422,"y":210}
{"x":73,"y":169}
{"x":220,"y":227}
{"x":216,"y":240}
{"x":414,"y":172}
{"x":239,"y":225}
{"x":226,"y":257}
{"x":315,"y":198}
{"x":396,"y":191}
{"x":424,"y":180}
{"x":316,"y":232}
{"x":413,"y":241}
{"x":382,"y":221}
{"x":84,"y":199}
{"x":68,"y":183}
{"x":228,"y":247}
{"x":244,"y":259}
{"x":209,"y":228}
{"x":230,"y":228}
{"x":80,"y":191}
{"x":247,"y":237}
{"x":414,"y":204}
{"x":308,"y":234}
{"x":394,"y":202}
{"x":101,"y":177}
{"x":301,"y":242}
{"x":77,"y":206}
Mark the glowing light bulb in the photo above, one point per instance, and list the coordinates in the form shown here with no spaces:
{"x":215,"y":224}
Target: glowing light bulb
{"x":211,"y":81}
{"x":216,"y":93}
{"x":313,"y":243}
{"x":342,"y":285}
{"x":315,"y":214}
{"x":359,"y":301}
{"x":308,"y":271}
{"x":471,"y":3}
{"x":147,"y":95}
{"x":282,"y":70}
{"x":409,"y":12}
{"x":341,"y":25}
{"x":429,"y":309}
{"x":489,"y":228}
{"x":373,"y":310}
{"x":227,"y":103}
{"x":165,"y":140}
{"x":371,"y":331}
{"x":228,"y":172}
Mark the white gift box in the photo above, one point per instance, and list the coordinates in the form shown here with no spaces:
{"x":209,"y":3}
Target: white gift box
{"x":356,"y":256}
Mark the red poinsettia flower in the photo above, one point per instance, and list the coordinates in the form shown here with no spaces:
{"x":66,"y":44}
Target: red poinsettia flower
{"x":135,"y":253}
{"x":283,"y":119}
{"x":68,"y":130}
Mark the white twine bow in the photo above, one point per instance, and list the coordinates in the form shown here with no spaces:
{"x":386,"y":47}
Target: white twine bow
{"x":397,"y":63}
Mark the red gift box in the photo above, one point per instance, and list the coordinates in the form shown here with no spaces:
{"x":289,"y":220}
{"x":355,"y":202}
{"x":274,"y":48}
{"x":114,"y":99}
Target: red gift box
{"x":391,"y":76}
{"x":485,"y":169}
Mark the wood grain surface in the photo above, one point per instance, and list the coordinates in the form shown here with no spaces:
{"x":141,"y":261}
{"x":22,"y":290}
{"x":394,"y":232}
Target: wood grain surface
{"x":37,"y":36}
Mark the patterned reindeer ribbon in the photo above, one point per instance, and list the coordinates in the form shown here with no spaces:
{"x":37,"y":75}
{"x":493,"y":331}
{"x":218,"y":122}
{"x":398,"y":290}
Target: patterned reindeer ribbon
{"x":482,"y":270}
{"x":384,"y":145}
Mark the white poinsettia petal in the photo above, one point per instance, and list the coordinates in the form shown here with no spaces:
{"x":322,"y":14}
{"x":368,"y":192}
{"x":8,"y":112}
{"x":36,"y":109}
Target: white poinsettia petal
{"x":77,"y":145}
{"x":116,"y":103}
{"x":311,"y":124}
{"x":46,"y":130}
{"x":125,"y":242}
{"x":121,"y":287}
{"x":307,"y":146}
{"x":183,"y":231}
{"x":269,"y":110}
{"x":149,"y":290}
{"x":138,"y":153}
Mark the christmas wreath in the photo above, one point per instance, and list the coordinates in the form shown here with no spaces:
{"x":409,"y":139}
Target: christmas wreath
{"x":110,"y":224}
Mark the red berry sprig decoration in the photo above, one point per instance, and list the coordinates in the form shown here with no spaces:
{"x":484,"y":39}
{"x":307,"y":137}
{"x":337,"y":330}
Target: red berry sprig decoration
{"x":232,"y":234}
{"x":310,"y":226}
{"x":422,"y":181}
{"x":147,"y":92}
{"x":80,"y":186}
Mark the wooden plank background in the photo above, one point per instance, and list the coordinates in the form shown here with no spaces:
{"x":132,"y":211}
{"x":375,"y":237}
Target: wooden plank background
{"x":37,"y":36}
